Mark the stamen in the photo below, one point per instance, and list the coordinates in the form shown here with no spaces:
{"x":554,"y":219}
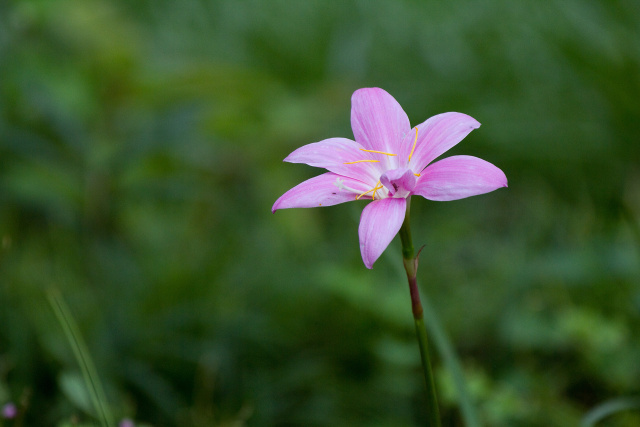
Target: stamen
{"x":366,"y":192}
{"x":374,"y":189}
{"x":373,"y":196}
{"x":360,"y":161}
{"x":414,"y":145}
{"x":416,"y":174}
{"x":379,"y":152}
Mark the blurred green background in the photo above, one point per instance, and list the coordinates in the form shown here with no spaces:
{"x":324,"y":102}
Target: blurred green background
{"x":141,"y":147}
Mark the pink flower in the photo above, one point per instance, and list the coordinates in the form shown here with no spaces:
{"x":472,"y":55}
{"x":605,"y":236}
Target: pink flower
{"x":126,"y":422}
{"x":388,"y":162}
{"x":9,"y":411}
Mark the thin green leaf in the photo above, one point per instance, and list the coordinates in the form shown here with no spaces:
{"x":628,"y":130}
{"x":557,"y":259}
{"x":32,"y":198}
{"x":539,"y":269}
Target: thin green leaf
{"x":608,"y":408}
{"x":81,"y":352}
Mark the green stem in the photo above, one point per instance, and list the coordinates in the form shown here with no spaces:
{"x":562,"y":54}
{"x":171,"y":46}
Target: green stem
{"x":411,"y":266}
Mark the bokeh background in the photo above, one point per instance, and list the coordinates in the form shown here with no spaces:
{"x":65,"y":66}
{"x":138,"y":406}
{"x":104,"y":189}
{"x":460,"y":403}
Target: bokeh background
{"x":141,"y":147}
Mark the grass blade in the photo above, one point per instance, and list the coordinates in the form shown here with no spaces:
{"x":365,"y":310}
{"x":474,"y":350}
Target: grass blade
{"x":81,"y":352}
{"x":607,"y":408}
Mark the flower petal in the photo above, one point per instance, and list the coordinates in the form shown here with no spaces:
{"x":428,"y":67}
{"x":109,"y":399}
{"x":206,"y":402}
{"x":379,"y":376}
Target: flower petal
{"x":435,"y":136}
{"x":380,"y":222}
{"x":327,"y":189}
{"x":379,"y":122}
{"x":333,"y":153}
{"x":457,"y":177}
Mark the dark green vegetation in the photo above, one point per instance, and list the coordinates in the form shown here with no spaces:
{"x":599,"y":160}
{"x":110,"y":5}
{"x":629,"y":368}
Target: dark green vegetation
{"x":141,"y":147}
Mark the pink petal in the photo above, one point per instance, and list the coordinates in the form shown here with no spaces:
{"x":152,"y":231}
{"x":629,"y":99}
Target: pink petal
{"x":457,"y":177}
{"x":379,"y":122}
{"x":324,"y":190}
{"x":435,"y":136}
{"x":380,"y":222}
{"x":333,"y":153}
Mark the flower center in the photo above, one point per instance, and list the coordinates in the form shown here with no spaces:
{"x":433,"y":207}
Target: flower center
{"x":399,"y":182}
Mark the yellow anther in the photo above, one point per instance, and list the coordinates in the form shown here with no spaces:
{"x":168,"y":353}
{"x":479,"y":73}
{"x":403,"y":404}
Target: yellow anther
{"x":414,"y":145}
{"x":360,"y":161}
{"x":374,"y":189}
{"x":416,"y":174}
{"x":358,"y":197}
{"x":366,"y":192}
{"x":379,"y":152}
{"x":373,"y":196}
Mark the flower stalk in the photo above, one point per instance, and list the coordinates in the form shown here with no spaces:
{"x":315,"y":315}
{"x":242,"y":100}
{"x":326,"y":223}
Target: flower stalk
{"x":410,"y":260}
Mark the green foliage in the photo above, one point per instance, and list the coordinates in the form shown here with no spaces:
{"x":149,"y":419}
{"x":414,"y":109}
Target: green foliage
{"x":141,"y":148}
